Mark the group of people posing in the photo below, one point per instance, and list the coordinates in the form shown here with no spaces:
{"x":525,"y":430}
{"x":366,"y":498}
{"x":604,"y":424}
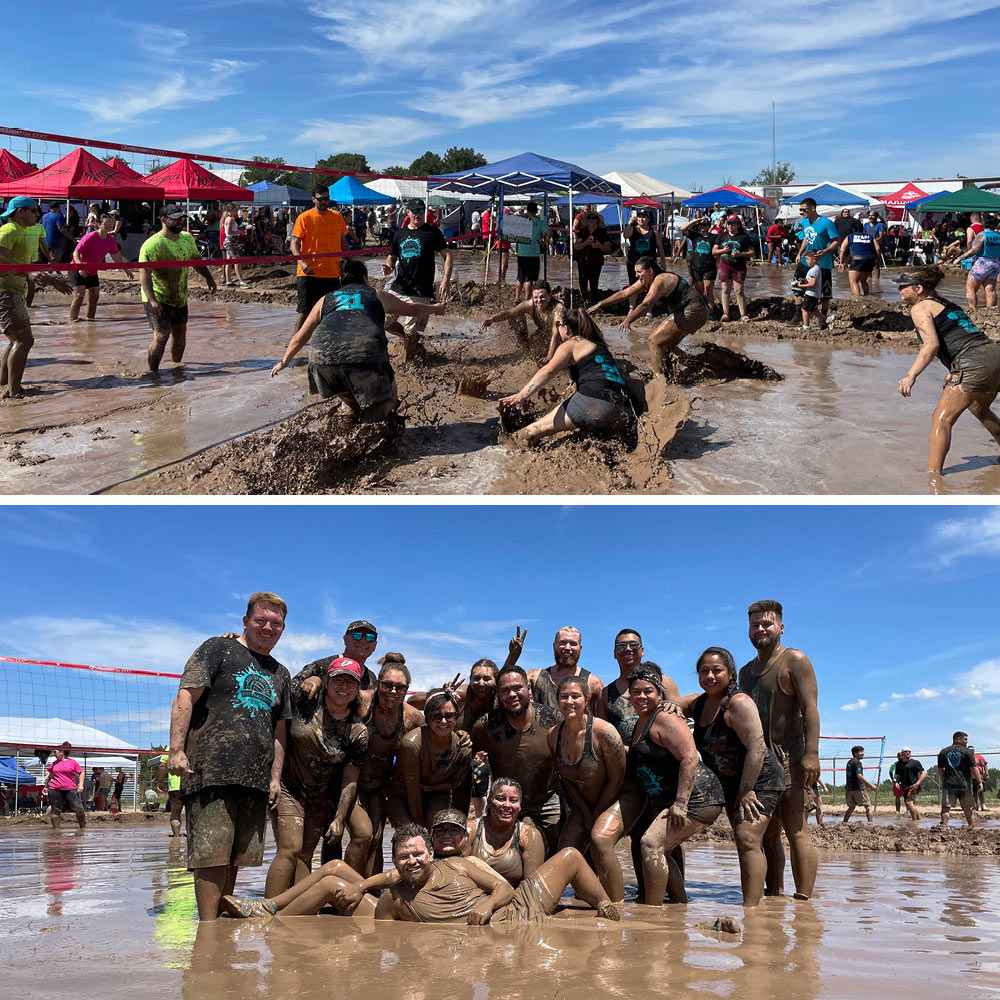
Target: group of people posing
{"x":514,"y":780}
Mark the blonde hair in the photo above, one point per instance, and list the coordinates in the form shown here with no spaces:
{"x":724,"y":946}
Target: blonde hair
{"x":264,"y":597}
{"x":566,"y":628}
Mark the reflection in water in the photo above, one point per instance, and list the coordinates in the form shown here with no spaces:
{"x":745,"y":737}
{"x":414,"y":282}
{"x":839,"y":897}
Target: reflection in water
{"x":60,"y":868}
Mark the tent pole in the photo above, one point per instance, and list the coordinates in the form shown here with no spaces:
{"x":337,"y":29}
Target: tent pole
{"x":500,"y":240}
{"x":570,"y":303}
{"x":489,"y":237}
{"x":17,"y":778}
{"x":760,"y":241}
{"x":545,"y":216}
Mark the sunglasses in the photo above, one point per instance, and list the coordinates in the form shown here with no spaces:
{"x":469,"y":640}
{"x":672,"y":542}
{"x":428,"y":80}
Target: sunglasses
{"x":443,"y":717}
{"x":367,"y":636}
{"x":619,"y":646}
{"x":324,"y":197}
{"x":389,"y":686}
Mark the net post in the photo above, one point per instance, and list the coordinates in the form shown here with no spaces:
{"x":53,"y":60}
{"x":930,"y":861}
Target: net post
{"x":833,"y":786}
{"x":881,"y":758}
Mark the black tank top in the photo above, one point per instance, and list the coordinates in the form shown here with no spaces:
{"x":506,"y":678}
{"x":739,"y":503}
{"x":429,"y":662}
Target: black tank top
{"x":680,"y":296}
{"x":641,"y":244}
{"x":720,"y":747}
{"x":544,"y":690}
{"x":598,"y":376}
{"x":351,"y":329}
{"x":586,"y":767}
{"x":654,"y":767}
{"x":621,"y":714}
{"x":956,"y":332}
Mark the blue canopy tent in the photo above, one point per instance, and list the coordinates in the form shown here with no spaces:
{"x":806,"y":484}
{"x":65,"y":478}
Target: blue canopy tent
{"x":828,"y":194}
{"x":602,"y":200}
{"x":11,"y":773}
{"x":269,"y":193}
{"x":528,"y":173}
{"x":350,"y":191}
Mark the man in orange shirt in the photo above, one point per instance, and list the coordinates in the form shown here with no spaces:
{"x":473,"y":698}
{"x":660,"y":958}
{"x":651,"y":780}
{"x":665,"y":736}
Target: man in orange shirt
{"x":319,"y":229}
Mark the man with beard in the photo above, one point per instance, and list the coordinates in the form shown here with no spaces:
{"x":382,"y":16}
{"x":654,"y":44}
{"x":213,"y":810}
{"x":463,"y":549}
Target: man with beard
{"x":466,"y":890}
{"x":515,"y":738}
{"x":566,"y":648}
{"x":782,"y":683}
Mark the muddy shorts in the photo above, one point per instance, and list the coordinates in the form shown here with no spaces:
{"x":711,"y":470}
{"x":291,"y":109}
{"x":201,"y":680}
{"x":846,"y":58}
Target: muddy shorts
{"x":81,"y":280}
{"x":706,"y":801}
{"x":528,"y":268}
{"x":65,"y":800}
{"x":599,"y":414}
{"x":225,"y":826}
{"x":977,"y":369}
{"x":367,"y":385}
{"x":857,"y":797}
{"x":309,"y":290}
{"x":986,"y":269}
{"x":547,"y":818}
{"x":174,"y":798}
{"x":810,"y":303}
{"x":691,"y":318}
{"x":951,"y":797}
{"x":730,"y":272}
{"x":865,"y":264}
{"x":312,"y":814}
{"x":910,"y":794}
{"x":531,"y":902}
{"x":14,"y":319}
{"x":768,"y":787}
{"x":413,"y":324}
{"x":169,"y":317}
{"x":704,"y":272}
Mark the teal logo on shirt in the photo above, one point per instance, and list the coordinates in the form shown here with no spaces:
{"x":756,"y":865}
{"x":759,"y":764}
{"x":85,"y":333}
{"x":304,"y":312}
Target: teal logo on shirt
{"x":254,"y":691}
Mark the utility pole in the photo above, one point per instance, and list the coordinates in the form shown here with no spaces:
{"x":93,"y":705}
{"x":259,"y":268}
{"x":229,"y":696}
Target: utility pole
{"x":774,"y":147}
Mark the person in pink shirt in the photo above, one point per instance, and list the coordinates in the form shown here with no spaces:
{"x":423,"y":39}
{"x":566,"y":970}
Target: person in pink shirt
{"x":92,"y":249}
{"x":64,"y":782}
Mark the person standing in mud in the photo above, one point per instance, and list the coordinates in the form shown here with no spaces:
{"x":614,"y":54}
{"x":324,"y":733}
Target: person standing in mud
{"x":542,"y":308}
{"x":819,"y":235}
{"x":64,"y":783}
{"x":529,"y":255}
{"x":515,"y":738}
{"x":910,"y":774}
{"x":319,"y":229}
{"x":227,"y":742}
{"x":164,"y":291}
{"x":984,"y":767}
{"x":412,"y":256}
{"x":857,"y":786}
{"x":958,"y":775}
{"x":668,"y":292}
{"x":591,"y":244}
{"x":348,"y":350}
{"x":566,"y":648}
{"x":782,"y":682}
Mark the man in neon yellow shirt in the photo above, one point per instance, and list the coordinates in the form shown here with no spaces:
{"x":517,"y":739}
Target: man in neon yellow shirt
{"x":164,"y":290}
{"x":170,"y":784}
{"x":36,"y":233}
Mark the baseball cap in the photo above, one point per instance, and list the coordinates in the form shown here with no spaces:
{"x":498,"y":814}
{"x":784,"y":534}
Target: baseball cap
{"x":361,"y":625}
{"x":172,"y":212}
{"x":416,"y":205}
{"x":906,"y":750}
{"x":19,"y":202}
{"x":449,"y":817}
{"x":905,"y":280}
{"x":344,"y":666}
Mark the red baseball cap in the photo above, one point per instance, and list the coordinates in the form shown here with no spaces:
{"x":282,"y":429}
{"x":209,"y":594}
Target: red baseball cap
{"x":344,"y":666}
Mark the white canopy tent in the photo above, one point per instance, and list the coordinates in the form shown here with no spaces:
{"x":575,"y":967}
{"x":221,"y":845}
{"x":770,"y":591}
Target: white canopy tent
{"x":635,"y":185}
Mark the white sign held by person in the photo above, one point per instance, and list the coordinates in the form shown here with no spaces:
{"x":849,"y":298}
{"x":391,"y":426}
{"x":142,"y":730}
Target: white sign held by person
{"x":516,"y":227}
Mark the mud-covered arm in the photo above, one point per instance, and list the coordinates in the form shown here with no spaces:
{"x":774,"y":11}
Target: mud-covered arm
{"x":743,"y":717}
{"x":613,"y":752}
{"x":803,"y":679}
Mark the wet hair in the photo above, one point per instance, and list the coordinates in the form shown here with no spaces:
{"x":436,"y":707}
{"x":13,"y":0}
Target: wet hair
{"x":263,"y":597}
{"x":407,"y":832}
{"x":649,"y":264}
{"x":727,"y":658}
{"x":544,"y":285}
{"x":929,"y":277}
{"x":488,"y":664}
{"x":811,"y":202}
{"x":764,"y":607}
{"x":505,"y":783}
{"x":393,"y":661}
{"x":646,"y":671}
{"x":574,"y":681}
{"x":581,"y":325}
{"x":854,"y":750}
{"x":513,"y":668}
{"x":959,"y":736}
{"x":628,"y":631}
{"x":566,"y":628}
{"x":353,"y":270}
{"x":436,"y":698}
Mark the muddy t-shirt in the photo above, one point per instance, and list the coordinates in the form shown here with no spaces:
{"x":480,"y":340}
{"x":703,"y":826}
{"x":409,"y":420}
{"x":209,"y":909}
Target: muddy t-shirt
{"x":231,"y":737}
{"x":414,"y":251}
{"x":320,"y":746}
{"x":955,"y":764}
{"x":740,"y":243}
{"x":701,"y":250}
{"x":351,"y":329}
{"x":852,"y":770}
{"x":908,"y":772}
{"x":169,"y":283}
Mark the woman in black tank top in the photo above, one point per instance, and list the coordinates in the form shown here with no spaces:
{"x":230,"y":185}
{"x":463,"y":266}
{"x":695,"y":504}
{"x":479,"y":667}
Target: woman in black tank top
{"x":601,"y":402}
{"x":972,"y":359}
{"x":590,"y":757}
{"x":730,"y":739}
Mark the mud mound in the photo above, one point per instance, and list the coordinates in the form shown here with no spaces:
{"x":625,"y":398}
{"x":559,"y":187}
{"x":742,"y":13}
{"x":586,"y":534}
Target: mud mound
{"x":307,"y":453}
{"x":715,"y":364}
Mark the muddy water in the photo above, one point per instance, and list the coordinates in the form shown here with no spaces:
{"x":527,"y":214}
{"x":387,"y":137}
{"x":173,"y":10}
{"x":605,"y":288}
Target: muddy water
{"x":111,"y":913}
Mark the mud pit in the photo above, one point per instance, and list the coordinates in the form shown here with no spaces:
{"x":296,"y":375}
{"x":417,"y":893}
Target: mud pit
{"x":71,"y":900}
{"x":99,"y":425}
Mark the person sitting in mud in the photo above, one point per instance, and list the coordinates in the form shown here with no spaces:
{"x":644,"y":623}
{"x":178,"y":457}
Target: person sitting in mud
{"x":730,"y":739}
{"x":433,"y":764}
{"x":465,"y":890}
{"x":542,"y":308}
{"x":509,"y":845}
{"x":663,"y":771}
{"x":669,"y":293}
{"x":348,"y":349}
{"x":601,"y":402}
{"x":450,"y":834}
{"x":972,"y":360}
{"x":590,"y":757}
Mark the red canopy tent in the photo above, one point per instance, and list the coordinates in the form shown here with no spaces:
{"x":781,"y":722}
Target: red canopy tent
{"x":11,"y":167}
{"x":80,"y":174}
{"x":897,"y":201}
{"x":738,"y":190}
{"x":641,"y":201}
{"x":187,"y":180}
{"x":125,"y":169}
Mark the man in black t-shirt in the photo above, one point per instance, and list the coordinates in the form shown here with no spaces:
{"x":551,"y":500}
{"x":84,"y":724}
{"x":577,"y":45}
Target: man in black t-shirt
{"x":412,"y":256}
{"x":844,"y":222}
{"x":856,"y":785}
{"x":227,"y":742}
{"x":910,"y":774}
{"x":959,"y":778}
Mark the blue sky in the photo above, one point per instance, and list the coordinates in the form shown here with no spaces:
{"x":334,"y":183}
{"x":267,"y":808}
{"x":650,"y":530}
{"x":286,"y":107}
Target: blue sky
{"x":683,"y":92}
{"x":896,"y":606}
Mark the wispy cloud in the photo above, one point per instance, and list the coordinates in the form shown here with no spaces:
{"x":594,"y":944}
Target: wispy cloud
{"x":57,"y":530}
{"x":854,"y":706}
{"x":230,"y":138}
{"x":974,"y":536}
{"x":923,"y":694}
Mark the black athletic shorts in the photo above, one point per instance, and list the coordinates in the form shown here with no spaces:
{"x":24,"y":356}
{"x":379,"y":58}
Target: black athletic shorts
{"x":702,"y":273}
{"x":169,"y":317}
{"x":528,"y":268}
{"x":826,"y":283}
{"x":309,"y":291}
{"x":81,"y":280}
{"x":861,"y":263}
{"x":65,"y":800}
{"x":810,"y":303}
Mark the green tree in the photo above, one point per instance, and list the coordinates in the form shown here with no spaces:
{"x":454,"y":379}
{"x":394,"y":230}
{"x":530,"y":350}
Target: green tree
{"x":396,"y":169}
{"x":254,"y":174}
{"x":352,"y":163}
{"x":462,"y":158}
{"x":783,"y":173}
{"x":429,"y":163}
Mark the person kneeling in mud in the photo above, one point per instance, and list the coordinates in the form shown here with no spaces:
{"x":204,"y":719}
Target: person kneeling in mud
{"x":348,"y":349}
{"x":670,"y":293}
{"x":601,"y":401}
{"x":542,"y":308}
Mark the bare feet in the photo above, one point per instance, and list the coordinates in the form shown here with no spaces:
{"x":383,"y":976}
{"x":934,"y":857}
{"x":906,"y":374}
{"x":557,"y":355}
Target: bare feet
{"x":609,"y":910}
